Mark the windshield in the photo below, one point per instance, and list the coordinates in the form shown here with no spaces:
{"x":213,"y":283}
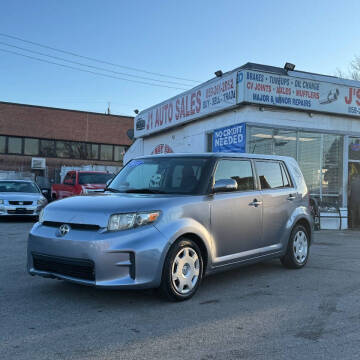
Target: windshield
{"x":18,"y":186}
{"x":94,"y":178}
{"x":162,"y":175}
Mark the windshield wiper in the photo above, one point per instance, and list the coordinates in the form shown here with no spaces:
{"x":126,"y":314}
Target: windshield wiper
{"x":112,"y":190}
{"x":145,"y":191}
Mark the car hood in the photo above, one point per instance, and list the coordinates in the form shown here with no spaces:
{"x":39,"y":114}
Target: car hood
{"x":17,"y":196}
{"x":96,"y":209}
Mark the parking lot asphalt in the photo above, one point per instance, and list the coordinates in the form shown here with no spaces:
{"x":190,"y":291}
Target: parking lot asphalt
{"x":261,"y":311}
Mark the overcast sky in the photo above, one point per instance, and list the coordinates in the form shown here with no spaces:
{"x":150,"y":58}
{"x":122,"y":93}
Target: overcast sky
{"x":183,"y":39}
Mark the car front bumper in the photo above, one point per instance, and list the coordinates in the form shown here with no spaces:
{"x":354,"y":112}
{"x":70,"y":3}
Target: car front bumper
{"x":124,"y":259}
{"x":19,"y":210}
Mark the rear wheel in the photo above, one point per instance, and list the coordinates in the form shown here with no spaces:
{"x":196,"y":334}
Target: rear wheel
{"x":183,"y":271}
{"x":297,"y":253}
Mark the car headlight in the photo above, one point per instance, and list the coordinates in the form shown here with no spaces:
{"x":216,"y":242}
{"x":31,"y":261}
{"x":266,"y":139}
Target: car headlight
{"x":41,"y":216}
{"x":41,"y":201}
{"x":127,"y":221}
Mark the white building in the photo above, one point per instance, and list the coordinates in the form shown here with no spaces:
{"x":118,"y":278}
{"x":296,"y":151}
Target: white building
{"x":264,"y":109}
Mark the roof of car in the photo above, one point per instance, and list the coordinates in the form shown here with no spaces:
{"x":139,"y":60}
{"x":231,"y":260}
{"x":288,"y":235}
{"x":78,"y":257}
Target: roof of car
{"x":220,"y":155}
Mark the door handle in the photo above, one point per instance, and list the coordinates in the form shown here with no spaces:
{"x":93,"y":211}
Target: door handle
{"x":291,"y":197}
{"x":255,"y":203}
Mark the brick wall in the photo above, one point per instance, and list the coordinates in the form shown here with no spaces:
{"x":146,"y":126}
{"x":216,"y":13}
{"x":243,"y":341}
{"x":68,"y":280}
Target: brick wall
{"x":43,"y":122}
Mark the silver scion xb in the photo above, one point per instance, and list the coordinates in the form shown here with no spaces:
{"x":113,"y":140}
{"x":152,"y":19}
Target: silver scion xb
{"x":20,"y":197}
{"x":165,"y":221}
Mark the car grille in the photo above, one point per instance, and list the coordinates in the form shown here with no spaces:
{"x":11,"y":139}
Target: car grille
{"x":72,"y":225}
{"x":20,"y":202}
{"x":76,"y":268}
{"x":20,"y":211}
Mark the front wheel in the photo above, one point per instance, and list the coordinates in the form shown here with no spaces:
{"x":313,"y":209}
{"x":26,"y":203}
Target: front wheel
{"x":183,"y":271}
{"x":297,"y":253}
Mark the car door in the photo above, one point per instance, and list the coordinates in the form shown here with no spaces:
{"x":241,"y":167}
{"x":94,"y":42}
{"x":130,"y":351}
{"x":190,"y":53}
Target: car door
{"x":279,"y":199}
{"x":68,"y":184}
{"x":236,"y":216}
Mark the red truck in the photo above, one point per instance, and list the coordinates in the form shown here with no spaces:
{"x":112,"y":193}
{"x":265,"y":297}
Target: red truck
{"x":80,"y":182}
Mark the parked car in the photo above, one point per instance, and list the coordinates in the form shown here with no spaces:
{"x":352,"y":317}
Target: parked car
{"x":20,"y":197}
{"x":79,"y":183}
{"x":165,"y":221}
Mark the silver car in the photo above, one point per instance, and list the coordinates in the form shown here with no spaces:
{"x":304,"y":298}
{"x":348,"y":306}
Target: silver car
{"x":20,"y":197}
{"x":165,"y":221}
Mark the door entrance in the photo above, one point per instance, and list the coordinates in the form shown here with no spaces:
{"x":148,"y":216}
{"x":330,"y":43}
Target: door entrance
{"x":354,"y":195}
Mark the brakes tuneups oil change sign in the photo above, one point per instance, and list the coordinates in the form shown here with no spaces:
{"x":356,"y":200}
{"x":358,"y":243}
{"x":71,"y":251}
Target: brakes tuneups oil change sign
{"x":299,"y":93}
{"x":210,"y":97}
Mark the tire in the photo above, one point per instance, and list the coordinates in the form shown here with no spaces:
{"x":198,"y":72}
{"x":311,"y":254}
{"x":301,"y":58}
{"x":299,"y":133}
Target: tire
{"x":297,"y":252}
{"x":183,"y":271}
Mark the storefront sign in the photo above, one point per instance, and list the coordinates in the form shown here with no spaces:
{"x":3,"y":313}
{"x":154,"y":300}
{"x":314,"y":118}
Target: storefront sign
{"x":299,"y":93}
{"x":162,"y":149}
{"x":230,"y":139}
{"x":215,"y":95}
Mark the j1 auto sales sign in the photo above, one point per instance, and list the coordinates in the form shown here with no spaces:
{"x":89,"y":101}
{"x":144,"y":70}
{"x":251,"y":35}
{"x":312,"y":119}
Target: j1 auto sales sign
{"x":212,"y":96}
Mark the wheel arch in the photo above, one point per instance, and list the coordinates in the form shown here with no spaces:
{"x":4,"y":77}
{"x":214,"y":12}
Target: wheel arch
{"x":306,"y":224}
{"x":199,"y":242}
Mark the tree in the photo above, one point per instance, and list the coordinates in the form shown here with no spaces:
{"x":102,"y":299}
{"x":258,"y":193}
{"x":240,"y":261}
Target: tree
{"x":353,"y":70}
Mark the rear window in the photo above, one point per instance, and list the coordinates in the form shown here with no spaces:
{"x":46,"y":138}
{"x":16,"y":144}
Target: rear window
{"x":271,"y":175}
{"x":93,"y":178}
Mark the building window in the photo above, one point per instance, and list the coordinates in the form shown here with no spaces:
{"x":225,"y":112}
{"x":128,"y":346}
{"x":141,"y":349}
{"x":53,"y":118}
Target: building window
{"x":14,"y":145}
{"x":106,"y":152}
{"x":320,"y":157}
{"x":354,"y":149}
{"x":2,"y":144}
{"x":61,"y":149}
{"x":309,"y":160}
{"x":209,"y":142}
{"x":94,"y":151}
{"x":31,"y":147}
{"x":47,"y":148}
{"x":332,"y":170}
{"x":272,"y":141}
{"x":119,"y":152}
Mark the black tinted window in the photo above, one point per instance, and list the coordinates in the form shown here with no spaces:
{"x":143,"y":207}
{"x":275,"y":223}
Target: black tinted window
{"x":94,"y":178}
{"x":239,"y":170}
{"x":269,"y":173}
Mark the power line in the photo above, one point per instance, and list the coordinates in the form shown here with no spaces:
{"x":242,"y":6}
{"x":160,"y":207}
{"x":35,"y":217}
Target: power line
{"x":89,"y":71}
{"x":94,"y":59}
{"x":91,"y":66}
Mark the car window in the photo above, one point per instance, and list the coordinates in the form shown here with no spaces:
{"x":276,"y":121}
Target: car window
{"x":239,"y":170}
{"x":270,"y":174}
{"x":179,"y":172}
{"x":18,"y":186}
{"x":142,"y":176}
{"x":165,"y":175}
{"x":69,"y":180}
{"x":94,"y":178}
{"x":285,"y":176}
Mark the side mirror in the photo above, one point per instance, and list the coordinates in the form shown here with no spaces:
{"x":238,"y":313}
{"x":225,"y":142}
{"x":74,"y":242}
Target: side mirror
{"x":225,"y":185}
{"x":45,"y":191}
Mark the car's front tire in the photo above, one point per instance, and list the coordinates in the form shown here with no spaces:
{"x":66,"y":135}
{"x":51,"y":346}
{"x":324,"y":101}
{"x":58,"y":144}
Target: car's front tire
{"x":297,"y":253}
{"x":183,"y":271}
